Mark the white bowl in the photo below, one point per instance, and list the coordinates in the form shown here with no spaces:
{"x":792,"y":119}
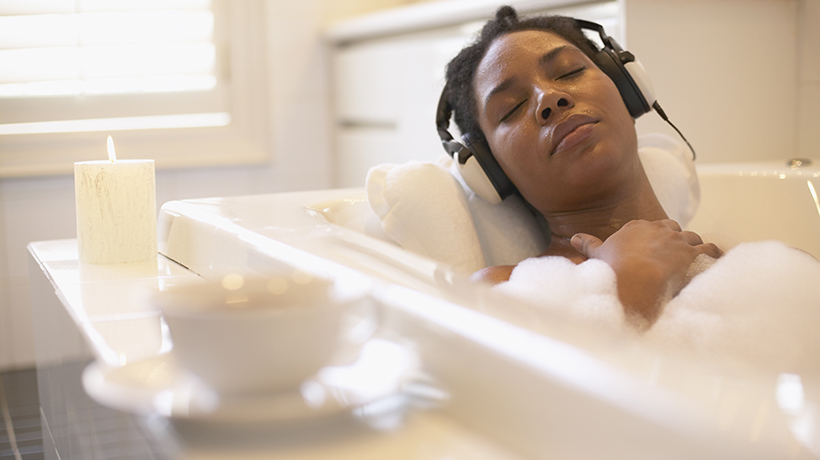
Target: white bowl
{"x":263,"y":334}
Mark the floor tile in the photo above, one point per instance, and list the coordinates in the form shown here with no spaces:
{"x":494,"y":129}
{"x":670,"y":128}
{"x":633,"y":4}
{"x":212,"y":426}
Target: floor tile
{"x":23,"y":405}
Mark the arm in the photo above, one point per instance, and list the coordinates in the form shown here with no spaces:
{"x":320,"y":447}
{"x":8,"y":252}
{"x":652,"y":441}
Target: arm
{"x":494,"y":274}
{"x":650,"y":260}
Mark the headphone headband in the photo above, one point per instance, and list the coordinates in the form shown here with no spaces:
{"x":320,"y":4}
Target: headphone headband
{"x":608,"y":41}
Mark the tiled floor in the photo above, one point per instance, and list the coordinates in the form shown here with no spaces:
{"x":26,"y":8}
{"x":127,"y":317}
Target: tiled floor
{"x":21,"y":434}
{"x":96,"y":432}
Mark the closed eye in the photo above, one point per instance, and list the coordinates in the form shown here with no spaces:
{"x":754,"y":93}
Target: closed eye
{"x":572,"y":73}
{"x":512,"y":112}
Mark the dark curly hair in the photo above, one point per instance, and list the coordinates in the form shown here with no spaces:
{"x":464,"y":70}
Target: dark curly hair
{"x":461,"y":70}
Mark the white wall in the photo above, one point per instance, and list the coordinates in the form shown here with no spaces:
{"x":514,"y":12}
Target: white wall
{"x":727,"y":72}
{"x":724,"y":71}
{"x":42,"y":208}
{"x":808,"y":79}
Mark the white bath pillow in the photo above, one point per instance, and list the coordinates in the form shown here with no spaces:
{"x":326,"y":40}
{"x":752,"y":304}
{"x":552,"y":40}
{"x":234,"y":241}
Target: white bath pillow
{"x":509,"y":232}
{"x":424,"y":210}
{"x":428,"y":209}
{"x":671,"y":171}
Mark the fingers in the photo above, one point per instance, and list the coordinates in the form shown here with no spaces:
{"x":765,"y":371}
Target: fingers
{"x":668,"y":224}
{"x":671,"y":224}
{"x":589,"y":245}
{"x":585,"y":244}
{"x":692,"y":238}
{"x":710,"y":249}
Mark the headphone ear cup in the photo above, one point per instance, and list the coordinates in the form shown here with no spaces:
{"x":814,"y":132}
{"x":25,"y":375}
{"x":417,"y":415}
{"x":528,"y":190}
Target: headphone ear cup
{"x":482,"y":173}
{"x":475,"y":178}
{"x":631,"y":80}
{"x":641,"y":78}
{"x":473,"y":159}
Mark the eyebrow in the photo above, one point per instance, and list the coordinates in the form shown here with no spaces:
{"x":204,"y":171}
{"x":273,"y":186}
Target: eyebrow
{"x":506,"y":84}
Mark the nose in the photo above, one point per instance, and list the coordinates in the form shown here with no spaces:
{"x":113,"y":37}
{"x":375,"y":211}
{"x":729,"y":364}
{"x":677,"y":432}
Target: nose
{"x":550,"y":102}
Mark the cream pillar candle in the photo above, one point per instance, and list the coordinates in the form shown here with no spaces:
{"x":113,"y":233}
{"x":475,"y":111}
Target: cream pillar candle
{"x":116,"y":210}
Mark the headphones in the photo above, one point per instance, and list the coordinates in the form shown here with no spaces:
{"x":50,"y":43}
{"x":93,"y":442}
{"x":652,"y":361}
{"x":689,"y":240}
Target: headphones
{"x":477,"y":165}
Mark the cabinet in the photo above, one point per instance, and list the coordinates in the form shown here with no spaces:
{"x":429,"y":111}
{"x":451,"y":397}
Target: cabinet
{"x":387,"y":72}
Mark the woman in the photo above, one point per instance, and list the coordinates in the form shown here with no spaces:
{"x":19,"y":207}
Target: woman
{"x":560,"y":131}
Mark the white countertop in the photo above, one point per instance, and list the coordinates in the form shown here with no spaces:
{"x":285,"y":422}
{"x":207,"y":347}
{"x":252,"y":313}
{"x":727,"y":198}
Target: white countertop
{"x":108,"y":302}
{"x":108,"y":305}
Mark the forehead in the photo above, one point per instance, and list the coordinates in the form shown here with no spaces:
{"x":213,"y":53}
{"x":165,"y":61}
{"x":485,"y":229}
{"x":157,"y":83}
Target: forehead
{"x":518,"y":47}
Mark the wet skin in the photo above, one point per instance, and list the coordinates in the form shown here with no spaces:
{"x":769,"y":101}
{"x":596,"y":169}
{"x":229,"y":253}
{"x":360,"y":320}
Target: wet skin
{"x":560,"y":130}
{"x":585,"y":146}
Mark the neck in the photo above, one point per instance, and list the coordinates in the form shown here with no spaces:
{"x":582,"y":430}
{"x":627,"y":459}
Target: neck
{"x":609,"y":215}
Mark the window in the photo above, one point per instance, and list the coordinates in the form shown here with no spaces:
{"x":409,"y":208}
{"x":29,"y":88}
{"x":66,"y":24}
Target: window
{"x":179,"y":81}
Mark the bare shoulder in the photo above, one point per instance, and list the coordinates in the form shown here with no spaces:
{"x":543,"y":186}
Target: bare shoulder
{"x":494,"y":274}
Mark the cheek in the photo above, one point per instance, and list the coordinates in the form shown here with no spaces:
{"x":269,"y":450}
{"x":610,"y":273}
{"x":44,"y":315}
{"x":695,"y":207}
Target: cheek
{"x":622,"y":125}
{"x":513,"y":151}
{"x":526,"y":170}
{"x":615,"y":103}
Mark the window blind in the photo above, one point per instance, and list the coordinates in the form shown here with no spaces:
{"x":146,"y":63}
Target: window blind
{"x":181,"y":81}
{"x":70,"y":60}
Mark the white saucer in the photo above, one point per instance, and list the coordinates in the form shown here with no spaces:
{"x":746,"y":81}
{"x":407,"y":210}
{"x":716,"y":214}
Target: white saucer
{"x":157,"y":385}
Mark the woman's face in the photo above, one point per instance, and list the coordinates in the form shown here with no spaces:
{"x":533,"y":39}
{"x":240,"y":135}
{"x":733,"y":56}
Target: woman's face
{"x":554,"y":121}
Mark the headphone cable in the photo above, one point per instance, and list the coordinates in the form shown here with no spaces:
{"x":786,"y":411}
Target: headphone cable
{"x":660,"y":111}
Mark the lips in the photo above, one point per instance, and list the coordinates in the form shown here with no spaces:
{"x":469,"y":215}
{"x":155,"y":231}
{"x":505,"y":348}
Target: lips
{"x":571,"y":131}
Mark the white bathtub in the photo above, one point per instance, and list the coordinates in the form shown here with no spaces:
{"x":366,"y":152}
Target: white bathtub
{"x":760,"y":201}
{"x":542,"y":386}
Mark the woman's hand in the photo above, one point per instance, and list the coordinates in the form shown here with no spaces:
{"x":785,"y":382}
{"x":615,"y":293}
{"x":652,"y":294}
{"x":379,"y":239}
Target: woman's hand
{"x":650,"y":260}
